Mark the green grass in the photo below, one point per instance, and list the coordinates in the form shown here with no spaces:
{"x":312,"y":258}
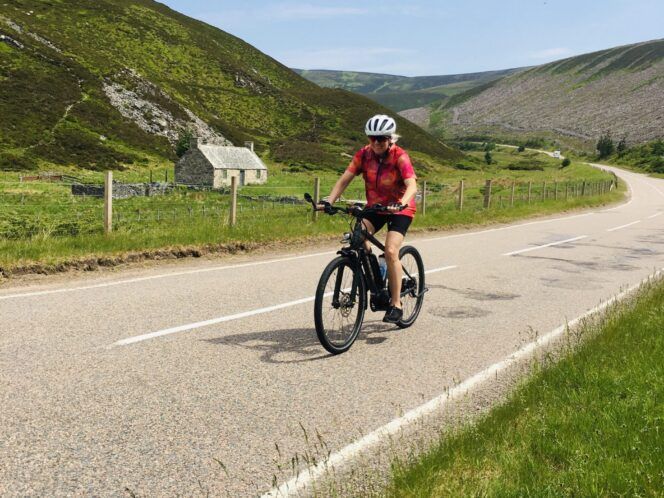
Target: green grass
{"x":43,"y":224}
{"x":590,"y":425}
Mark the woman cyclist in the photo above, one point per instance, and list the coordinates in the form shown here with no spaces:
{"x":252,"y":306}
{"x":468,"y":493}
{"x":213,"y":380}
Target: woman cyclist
{"x":389,"y":179}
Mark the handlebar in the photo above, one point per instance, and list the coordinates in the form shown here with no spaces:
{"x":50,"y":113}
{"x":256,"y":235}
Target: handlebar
{"x":355,"y":210}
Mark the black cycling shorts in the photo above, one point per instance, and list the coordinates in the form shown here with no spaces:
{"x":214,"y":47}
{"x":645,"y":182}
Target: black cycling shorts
{"x":395,"y":222}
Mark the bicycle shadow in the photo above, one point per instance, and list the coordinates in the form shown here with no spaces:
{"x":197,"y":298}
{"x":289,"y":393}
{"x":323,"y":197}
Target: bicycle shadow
{"x":297,"y":342}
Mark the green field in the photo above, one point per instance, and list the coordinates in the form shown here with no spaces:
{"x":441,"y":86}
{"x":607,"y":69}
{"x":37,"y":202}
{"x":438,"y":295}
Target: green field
{"x":43,"y":225}
{"x":590,"y":425}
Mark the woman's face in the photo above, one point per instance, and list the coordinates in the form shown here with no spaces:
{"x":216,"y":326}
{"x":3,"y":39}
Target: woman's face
{"x":380,"y":144}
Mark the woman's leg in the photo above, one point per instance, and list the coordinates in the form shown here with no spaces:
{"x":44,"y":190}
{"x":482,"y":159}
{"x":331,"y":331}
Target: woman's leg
{"x":394,"y":272}
{"x":368,"y":226}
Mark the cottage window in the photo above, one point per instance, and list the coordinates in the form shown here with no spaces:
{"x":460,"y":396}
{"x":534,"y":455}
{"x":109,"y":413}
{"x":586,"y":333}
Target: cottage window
{"x":224,"y":174}
{"x":258,"y":173}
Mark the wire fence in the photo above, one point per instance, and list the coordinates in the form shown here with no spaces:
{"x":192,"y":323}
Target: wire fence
{"x":50,"y":210}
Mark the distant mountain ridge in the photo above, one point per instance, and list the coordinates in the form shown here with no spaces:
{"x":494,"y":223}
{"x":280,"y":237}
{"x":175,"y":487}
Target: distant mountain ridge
{"x":112,"y":82}
{"x":619,"y":90}
{"x":402,"y":92}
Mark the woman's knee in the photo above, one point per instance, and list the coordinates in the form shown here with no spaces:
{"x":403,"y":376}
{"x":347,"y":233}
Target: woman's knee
{"x":392,"y":252}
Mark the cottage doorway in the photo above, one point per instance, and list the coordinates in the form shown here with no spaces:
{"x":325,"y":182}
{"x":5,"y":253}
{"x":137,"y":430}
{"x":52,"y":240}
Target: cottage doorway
{"x":242,"y":172}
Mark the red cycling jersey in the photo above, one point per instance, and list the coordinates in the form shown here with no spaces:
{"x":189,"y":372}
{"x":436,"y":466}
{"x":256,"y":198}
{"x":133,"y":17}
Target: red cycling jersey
{"x":384,"y":176}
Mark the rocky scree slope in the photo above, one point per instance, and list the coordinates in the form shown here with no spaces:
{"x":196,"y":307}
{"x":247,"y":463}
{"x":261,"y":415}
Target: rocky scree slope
{"x":620,"y":90}
{"x":113,"y":82}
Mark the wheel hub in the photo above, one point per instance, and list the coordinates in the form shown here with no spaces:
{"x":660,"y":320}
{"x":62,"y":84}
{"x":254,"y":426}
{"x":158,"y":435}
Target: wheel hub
{"x":345,"y":305}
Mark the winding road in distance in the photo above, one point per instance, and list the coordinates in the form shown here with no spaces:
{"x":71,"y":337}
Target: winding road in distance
{"x":199,"y":377}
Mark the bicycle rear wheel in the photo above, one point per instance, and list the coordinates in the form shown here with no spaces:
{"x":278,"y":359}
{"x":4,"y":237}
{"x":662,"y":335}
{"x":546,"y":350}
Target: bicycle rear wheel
{"x":339,"y":305}
{"x":412,"y":288}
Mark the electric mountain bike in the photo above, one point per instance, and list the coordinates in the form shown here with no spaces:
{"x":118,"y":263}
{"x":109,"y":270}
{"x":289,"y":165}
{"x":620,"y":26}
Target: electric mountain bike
{"x":352,"y":282}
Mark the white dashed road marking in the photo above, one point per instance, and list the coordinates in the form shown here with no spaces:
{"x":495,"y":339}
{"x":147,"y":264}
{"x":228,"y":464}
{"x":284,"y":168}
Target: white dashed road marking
{"x":623,"y":226}
{"x":528,"y":249}
{"x":228,"y":318}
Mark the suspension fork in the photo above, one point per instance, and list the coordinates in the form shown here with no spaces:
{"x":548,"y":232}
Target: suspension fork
{"x":339,"y":279}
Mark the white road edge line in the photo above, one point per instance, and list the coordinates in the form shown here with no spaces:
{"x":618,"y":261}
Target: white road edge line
{"x":623,"y":226}
{"x":165,"y":275}
{"x":306,"y":477}
{"x":237,"y":316}
{"x":534,"y":248}
{"x":265,"y":262}
{"x":654,"y":215}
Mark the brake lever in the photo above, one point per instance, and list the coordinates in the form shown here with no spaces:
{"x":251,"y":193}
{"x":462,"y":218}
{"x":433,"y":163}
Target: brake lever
{"x":328,"y":206}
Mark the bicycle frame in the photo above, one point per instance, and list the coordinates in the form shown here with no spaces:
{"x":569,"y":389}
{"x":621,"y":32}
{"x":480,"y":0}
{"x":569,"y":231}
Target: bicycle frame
{"x":361,"y":259}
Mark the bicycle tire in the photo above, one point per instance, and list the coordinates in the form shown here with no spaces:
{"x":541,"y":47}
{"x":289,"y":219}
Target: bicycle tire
{"x":327,"y":312}
{"x":411,"y":302}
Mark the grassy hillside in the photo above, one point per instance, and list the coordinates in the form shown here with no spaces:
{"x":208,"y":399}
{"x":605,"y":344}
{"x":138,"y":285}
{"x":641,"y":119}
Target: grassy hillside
{"x":402,"y":92}
{"x":573,"y":100}
{"x":115,"y":82}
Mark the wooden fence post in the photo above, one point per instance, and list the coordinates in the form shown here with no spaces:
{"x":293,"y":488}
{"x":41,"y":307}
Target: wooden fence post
{"x":108,"y":203}
{"x":460,"y":203}
{"x":316,"y":195}
{"x":487,"y":194}
{"x":233,"y":215}
{"x":530,"y":191}
{"x":424,"y":197}
{"x":566,"y":190}
{"x":555,"y":191}
{"x":544,"y":191}
{"x":512,"y":194}
{"x":583,"y":188}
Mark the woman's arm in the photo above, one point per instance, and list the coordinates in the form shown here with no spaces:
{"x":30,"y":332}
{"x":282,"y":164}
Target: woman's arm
{"x":411,"y":190}
{"x":340,"y":186}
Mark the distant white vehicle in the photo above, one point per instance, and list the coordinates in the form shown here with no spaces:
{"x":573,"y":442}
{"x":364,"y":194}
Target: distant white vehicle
{"x":556,"y":154}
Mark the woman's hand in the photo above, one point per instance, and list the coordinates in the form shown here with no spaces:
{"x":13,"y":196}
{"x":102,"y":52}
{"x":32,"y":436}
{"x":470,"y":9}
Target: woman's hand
{"x":395,"y":207}
{"x":323,"y":206}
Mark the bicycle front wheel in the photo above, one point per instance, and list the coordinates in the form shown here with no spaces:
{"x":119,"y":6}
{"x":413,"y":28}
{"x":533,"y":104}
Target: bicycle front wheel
{"x":412,"y":288}
{"x":339,"y":305}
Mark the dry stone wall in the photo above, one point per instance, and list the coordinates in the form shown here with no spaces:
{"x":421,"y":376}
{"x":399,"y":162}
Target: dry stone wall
{"x":124,"y":190}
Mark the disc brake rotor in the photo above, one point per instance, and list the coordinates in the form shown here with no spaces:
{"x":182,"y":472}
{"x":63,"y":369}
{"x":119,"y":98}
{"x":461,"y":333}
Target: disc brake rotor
{"x":345,"y":305}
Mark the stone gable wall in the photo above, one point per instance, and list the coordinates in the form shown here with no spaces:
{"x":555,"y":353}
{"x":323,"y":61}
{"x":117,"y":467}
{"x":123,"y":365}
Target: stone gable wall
{"x":194,"y":169}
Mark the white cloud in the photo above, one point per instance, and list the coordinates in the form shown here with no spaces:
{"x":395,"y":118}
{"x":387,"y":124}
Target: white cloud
{"x":295,"y":12}
{"x":550,"y":53}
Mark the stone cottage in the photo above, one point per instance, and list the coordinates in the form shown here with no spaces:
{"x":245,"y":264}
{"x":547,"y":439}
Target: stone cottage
{"x":215,"y":165}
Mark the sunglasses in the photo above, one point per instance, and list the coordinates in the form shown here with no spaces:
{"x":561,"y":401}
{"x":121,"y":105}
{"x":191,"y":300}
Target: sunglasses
{"x":379,"y":139}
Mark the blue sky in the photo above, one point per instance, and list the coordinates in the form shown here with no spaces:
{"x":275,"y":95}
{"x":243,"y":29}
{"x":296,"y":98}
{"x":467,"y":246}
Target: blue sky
{"x":422,"y":37}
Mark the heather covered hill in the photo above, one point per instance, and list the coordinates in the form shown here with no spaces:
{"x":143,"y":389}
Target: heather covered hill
{"x":619,"y":90}
{"x":114,"y":82}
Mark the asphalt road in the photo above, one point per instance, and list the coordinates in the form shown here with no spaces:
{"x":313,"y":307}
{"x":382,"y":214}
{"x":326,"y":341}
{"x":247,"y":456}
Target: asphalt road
{"x":205,"y":376}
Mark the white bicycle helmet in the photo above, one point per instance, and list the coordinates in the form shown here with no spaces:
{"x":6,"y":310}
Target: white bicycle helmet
{"x":380,"y":125}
